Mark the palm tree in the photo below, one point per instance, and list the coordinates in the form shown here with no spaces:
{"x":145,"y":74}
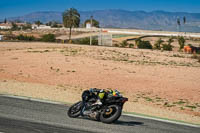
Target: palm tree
{"x":71,"y":18}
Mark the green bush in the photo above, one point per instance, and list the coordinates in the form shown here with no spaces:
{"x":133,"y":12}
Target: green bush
{"x":137,"y":41}
{"x":143,"y":44}
{"x":158,"y":44}
{"x":124,"y":44}
{"x":181,"y":42}
{"x":116,"y":45}
{"x":171,"y":40}
{"x":131,"y":45}
{"x":26,"y":38}
{"x":195,"y":56}
{"x":167,"y":47}
{"x":190,"y":45}
{"x":48,"y":38}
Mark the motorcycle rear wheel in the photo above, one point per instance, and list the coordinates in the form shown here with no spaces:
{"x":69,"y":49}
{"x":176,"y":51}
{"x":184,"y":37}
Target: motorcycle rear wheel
{"x":75,"y":110}
{"x":112,"y":115}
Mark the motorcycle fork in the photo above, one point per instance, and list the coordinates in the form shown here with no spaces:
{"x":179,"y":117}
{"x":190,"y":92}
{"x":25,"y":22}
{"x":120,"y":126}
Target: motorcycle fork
{"x":82,"y":109}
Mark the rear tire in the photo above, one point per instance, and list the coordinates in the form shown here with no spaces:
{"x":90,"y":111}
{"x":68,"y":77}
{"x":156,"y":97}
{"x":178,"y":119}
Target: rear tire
{"x":115,"y":114}
{"x":75,"y":110}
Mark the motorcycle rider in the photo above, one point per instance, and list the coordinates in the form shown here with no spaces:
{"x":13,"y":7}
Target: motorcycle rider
{"x":108,"y":112}
{"x":99,"y":94}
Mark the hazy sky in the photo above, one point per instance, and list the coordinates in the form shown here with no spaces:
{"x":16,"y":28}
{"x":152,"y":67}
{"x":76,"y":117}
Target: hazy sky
{"x":10,"y":8}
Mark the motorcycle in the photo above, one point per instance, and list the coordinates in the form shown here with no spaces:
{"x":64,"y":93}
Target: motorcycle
{"x":108,"y":112}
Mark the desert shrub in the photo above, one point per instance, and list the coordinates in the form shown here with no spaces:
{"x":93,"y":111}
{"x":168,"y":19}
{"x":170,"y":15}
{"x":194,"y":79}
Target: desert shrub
{"x":143,"y":44}
{"x":167,"y":47}
{"x":198,"y":52}
{"x":26,"y":38}
{"x":195,"y":50}
{"x":131,"y":45}
{"x":181,"y":42}
{"x":171,"y":40}
{"x":124,"y":44}
{"x":116,"y":45}
{"x":86,"y":41}
{"x":158,"y":44}
{"x":137,"y":41}
{"x":48,"y":38}
{"x":196,"y":57}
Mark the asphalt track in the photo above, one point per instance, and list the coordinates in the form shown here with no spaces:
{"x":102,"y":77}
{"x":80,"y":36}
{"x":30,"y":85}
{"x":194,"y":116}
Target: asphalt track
{"x":27,"y":116}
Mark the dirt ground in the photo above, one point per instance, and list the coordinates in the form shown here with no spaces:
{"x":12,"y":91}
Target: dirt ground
{"x":162,"y":84}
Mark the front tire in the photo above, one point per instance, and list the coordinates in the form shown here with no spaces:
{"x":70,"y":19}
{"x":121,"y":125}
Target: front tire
{"x":75,"y":110}
{"x":111,"y":116}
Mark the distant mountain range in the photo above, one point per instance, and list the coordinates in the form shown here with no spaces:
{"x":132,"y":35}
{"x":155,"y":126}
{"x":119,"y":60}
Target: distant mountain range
{"x":155,"y":20}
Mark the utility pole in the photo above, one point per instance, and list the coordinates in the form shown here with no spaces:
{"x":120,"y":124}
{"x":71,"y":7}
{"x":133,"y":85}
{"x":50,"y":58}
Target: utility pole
{"x":184,"y":22}
{"x":91,"y":18}
{"x":179,"y":25}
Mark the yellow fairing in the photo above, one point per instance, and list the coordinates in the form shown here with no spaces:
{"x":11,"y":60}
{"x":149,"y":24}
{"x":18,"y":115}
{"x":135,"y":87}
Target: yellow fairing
{"x":101,"y":95}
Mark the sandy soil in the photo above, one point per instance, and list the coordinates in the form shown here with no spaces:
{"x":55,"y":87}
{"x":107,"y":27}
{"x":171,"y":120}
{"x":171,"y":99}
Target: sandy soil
{"x":163,"y":84}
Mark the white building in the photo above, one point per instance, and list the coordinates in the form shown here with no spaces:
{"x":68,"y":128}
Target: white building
{"x":88,"y":25}
{"x":34,"y":26}
{"x":1,"y":37}
{"x":5,"y":26}
{"x":44,"y":27}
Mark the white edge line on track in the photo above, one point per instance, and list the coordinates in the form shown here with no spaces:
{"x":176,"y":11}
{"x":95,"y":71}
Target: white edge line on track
{"x":125,"y":114}
{"x":162,"y":120}
{"x":32,"y":99}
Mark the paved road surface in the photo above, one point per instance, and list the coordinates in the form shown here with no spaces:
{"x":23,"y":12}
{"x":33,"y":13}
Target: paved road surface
{"x":25,"y":116}
{"x":8,"y":125}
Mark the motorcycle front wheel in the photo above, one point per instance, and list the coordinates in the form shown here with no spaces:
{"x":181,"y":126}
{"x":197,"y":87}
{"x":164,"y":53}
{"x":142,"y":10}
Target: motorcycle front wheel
{"x":75,"y":110}
{"x":111,"y":114}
